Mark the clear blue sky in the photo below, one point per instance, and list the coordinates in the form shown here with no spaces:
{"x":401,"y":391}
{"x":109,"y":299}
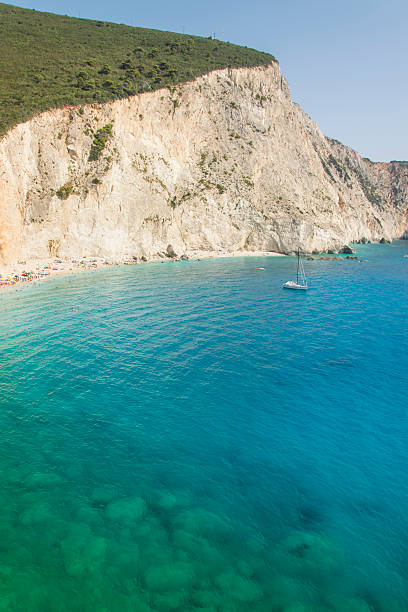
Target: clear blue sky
{"x":346,"y":61}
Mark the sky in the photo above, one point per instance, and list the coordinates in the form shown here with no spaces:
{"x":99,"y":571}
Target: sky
{"x":346,"y":61}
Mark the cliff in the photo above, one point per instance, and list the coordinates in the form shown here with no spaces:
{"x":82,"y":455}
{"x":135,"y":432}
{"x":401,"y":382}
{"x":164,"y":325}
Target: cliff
{"x":226,"y":161}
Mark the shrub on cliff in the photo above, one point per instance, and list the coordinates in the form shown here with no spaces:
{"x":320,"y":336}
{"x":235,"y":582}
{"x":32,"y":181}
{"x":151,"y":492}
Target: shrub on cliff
{"x":99,"y":142}
{"x":65,"y":191}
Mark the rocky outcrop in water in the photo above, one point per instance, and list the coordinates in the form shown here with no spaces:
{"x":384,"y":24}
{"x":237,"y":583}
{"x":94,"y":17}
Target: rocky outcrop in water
{"x":226,"y":162}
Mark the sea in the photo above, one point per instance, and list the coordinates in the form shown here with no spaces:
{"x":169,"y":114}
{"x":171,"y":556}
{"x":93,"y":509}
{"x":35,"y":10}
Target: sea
{"x":189,"y":436}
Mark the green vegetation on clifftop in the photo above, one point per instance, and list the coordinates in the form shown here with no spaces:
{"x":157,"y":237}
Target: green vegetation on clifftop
{"x":49,"y":61}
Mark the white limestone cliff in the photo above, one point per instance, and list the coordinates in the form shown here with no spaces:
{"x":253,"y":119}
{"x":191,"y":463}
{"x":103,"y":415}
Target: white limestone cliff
{"x":226,"y":162}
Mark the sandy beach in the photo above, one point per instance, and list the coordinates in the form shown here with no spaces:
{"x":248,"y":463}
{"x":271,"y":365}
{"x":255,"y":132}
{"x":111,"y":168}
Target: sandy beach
{"x":38,"y":270}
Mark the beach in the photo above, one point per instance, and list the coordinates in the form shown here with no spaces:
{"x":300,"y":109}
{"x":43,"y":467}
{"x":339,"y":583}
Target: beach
{"x":38,"y":270}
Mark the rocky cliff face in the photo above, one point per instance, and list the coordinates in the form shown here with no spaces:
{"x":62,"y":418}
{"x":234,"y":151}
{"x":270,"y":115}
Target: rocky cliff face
{"x":227,"y":162}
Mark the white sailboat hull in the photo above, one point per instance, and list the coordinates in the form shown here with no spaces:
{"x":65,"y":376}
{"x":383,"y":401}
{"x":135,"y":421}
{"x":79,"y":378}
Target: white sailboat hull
{"x":300,"y":276}
{"x":293,"y":285}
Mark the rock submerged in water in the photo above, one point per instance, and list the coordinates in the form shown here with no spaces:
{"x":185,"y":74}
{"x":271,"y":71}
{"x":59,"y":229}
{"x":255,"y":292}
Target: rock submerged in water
{"x":36,"y":513}
{"x":83,"y":552}
{"x":167,"y":501}
{"x":347,"y":250}
{"x":40,"y":480}
{"x":238,"y":587}
{"x":166,"y":578}
{"x":351,"y":604}
{"x":103,"y":495}
{"x":126,"y":511}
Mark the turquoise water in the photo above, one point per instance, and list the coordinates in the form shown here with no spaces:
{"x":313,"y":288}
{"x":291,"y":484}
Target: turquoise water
{"x":189,"y":436}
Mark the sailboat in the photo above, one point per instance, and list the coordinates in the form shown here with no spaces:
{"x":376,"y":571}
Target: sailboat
{"x":301,"y":282}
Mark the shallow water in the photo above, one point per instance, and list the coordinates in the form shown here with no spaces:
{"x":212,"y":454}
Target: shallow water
{"x":189,"y":436}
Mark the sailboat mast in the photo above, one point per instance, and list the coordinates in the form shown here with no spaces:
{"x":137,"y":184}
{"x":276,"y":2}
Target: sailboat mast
{"x":297,"y":271}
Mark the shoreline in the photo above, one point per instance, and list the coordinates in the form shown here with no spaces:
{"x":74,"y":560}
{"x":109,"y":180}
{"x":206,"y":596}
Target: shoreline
{"x":38,"y":270}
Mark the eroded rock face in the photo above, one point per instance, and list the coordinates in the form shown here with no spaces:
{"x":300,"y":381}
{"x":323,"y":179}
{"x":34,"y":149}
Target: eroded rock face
{"x":226,"y":162}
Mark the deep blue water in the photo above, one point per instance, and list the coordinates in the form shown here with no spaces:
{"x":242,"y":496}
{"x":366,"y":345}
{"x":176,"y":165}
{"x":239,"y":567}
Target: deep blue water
{"x":189,"y":436}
